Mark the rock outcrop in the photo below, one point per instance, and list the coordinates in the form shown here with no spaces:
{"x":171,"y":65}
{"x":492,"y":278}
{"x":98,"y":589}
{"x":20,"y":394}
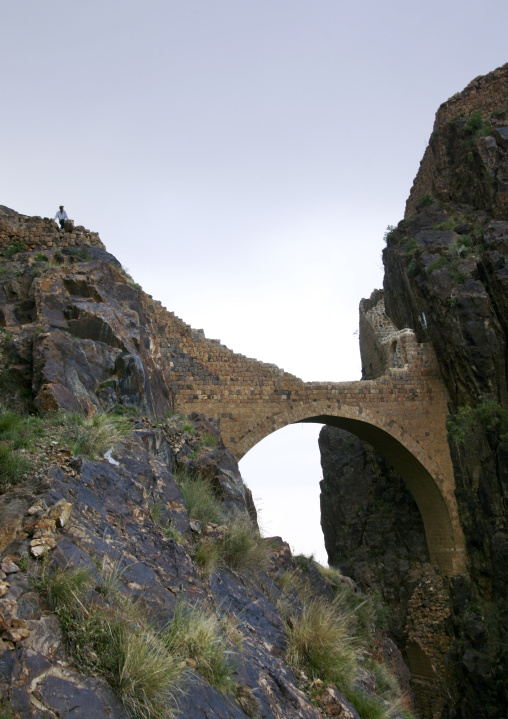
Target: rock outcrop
{"x":372,"y":527}
{"x":103,"y":551}
{"x":446,"y":269}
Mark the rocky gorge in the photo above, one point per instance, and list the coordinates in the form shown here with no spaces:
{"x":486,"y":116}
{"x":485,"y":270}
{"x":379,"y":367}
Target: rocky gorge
{"x":445,"y":278}
{"x":134,"y":580}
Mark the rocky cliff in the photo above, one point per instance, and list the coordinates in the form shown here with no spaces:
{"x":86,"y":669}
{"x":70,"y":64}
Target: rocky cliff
{"x":133,"y":578}
{"x":446,"y":277}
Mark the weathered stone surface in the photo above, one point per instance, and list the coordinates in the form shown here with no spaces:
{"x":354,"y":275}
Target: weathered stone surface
{"x":446,"y":279}
{"x":84,"y":338}
{"x":371,"y":524}
{"x":111,"y":523}
{"x":462,"y":166}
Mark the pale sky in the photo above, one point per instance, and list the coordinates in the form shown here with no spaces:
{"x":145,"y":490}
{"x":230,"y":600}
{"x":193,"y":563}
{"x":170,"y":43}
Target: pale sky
{"x":242,"y":159}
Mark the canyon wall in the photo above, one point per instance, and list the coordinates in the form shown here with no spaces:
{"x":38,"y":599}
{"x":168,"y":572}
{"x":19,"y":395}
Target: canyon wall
{"x":446,"y":278}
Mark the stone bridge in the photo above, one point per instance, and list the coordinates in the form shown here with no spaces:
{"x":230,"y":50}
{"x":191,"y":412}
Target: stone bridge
{"x":400,"y":410}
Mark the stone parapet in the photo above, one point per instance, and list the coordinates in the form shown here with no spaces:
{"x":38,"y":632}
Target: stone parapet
{"x":21,"y":232}
{"x":382,"y":345}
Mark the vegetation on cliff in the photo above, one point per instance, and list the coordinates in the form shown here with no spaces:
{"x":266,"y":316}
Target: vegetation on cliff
{"x":134,"y":567}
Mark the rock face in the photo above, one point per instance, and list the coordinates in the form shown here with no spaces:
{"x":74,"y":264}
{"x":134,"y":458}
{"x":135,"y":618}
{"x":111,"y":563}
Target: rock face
{"x":374,"y":534}
{"x":446,"y":274}
{"x":118,"y":526}
{"x":372,"y":527}
{"x":83,"y":340}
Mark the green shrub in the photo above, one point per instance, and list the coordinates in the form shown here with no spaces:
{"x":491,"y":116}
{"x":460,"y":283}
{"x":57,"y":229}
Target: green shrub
{"x":61,"y":587}
{"x":368,"y":706}
{"x":13,"y":467}
{"x":109,"y":578}
{"x":389,"y":233}
{"x":461,"y":424}
{"x":207,"y":555}
{"x":81,"y":253}
{"x":425,"y":201}
{"x":493,"y":417}
{"x":208,"y":440}
{"x":290,"y":578}
{"x":17,"y":432}
{"x":126,"y":410}
{"x":499,"y":112}
{"x":437,"y":264}
{"x":327,"y":641}
{"x":156,"y":510}
{"x":116,"y":643}
{"x":476,"y":126}
{"x":243,"y":547}
{"x":333,"y":575}
{"x":387,"y":685}
{"x":188,"y":427}
{"x":199,"y":497}
{"x":304,"y":562}
{"x":171,"y":532}
{"x":14,"y":248}
{"x":321,"y":643}
{"x":488,"y":415}
{"x":93,"y":436}
{"x":446,"y":225}
{"x":40,"y":257}
{"x":362,"y":610}
{"x":195,"y":633}
{"x":411,"y":247}
{"x":145,"y":675}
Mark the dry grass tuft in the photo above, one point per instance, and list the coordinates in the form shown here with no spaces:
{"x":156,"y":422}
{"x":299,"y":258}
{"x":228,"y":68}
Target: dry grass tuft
{"x":244,"y":548}
{"x":199,"y":497}
{"x":321,"y":642}
{"x":116,"y":642}
{"x":93,"y":436}
{"x":195,"y":633}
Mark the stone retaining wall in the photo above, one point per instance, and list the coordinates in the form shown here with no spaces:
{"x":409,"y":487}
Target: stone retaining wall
{"x":33,"y":233}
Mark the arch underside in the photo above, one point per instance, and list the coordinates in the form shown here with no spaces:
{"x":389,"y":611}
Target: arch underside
{"x":444,"y":544}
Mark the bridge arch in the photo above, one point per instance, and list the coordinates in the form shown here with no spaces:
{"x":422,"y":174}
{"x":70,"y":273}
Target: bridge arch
{"x":419,"y":471}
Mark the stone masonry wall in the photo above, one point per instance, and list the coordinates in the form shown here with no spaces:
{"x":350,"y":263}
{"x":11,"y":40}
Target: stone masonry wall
{"x":33,"y":233}
{"x":382,"y":345}
{"x":252,"y":399}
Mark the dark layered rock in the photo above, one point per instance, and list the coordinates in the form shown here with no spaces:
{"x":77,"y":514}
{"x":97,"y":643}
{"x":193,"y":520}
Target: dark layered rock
{"x":374,"y":534}
{"x":110,"y":503}
{"x":372,"y":527}
{"x":450,"y":286}
{"x":81,"y":333}
{"x":446,"y":277}
{"x":77,"y":337}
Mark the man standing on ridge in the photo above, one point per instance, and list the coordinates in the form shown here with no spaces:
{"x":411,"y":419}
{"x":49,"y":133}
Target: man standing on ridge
{"x":61,"y":216}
